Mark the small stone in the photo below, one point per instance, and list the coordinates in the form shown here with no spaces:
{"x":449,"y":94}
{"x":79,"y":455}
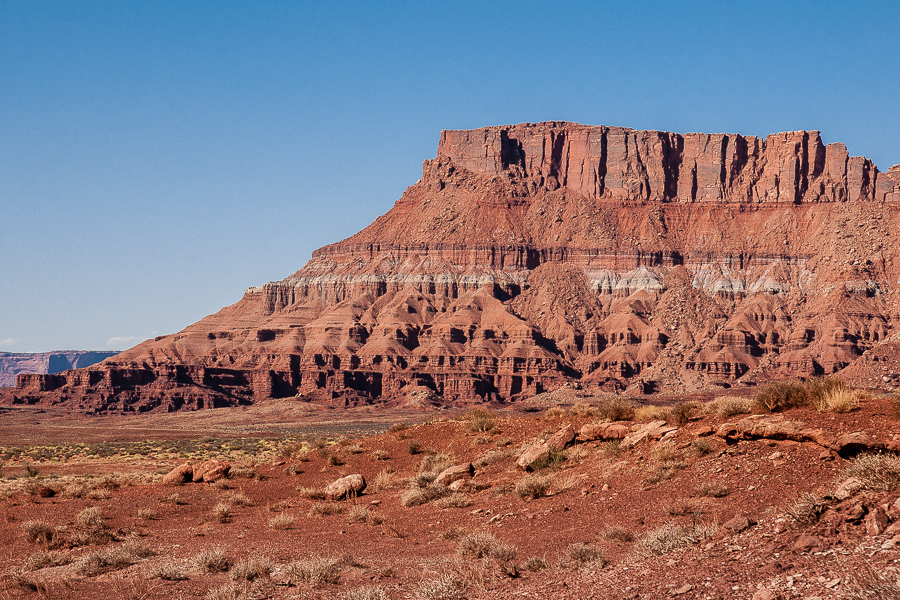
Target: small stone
{"x":876,"y":521}
{"x":807,"y":542}
{"x":767,"y":594}
{"x":682,"y":590}
{"x":737,"y":523}
{"x":776,"y":455}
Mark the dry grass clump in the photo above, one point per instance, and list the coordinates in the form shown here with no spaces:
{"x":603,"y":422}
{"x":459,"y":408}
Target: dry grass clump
{"x":664,"y":452}
{"x":532,"y":487}
{"x":113,"y":559}
{"x":212,"y":560}
{"x":808,"y":509}
{"x":651,"y":413}
{"x":586,"y":556}
{"x":147,"y":514}
{"x":583,"y":409}
{"x":838,"y":400}
{"x":174,"y":499}
{"x":91,"y":518}
{"x":872,"y":584}
{"x":414,"y":447}
{"x":877,"y":472}
{"x":611,"y":448}
{"x":397,"y":427}
{"x":614,"y":533}
{"x":684,"y":506}
{"x":454,"y":500}
{"x":701,"y":446}
{"x":554,"y":412}
{"x":324,"y":509}
{"x":366,"y":593}
{"x":535,"y":564}
{"x":384,"y":480}
{"x":724,"y":407}
{"x":237,"y":498}
{"x":26,"y":582}
{"x":38,"y":532}
{"x":435,"y":463}
{"x":615,"y":409}
{"x":43,"y":559}
{"x":664,"y":472}
{"x":485,"y":545}
{"x":448,"y":586}
{"x":777,"y":396}
{"x":480,"y":420}
{"x":168,"y":572}
{"x":380,"y":455}
{"x":416,"y":496}
{"x":490,"y":457}
{"x":316,"y":570}
{"x":252,"y":568}
{"x":220,"y":513}
{"x":231,"y":591}
{"x":313,"y":493}
{"x":712,"y":489}
{"x":682,"y":412}
{"x":282,"y":521}
{"x":671,"y":536}
{"x":362,"y":514}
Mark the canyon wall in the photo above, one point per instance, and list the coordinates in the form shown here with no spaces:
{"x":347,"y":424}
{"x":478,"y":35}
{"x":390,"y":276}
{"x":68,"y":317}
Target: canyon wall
{"x":535,"y":255}
{"x":11,"y":364}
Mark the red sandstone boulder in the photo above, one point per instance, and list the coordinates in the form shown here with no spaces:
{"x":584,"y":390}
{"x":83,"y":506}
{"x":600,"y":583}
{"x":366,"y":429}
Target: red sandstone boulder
{"x":455,"y":473}
{"x":179,"y":475}
{"x":536,"y":452}
{"x":562,"y":438}
{"x":345,"y":487}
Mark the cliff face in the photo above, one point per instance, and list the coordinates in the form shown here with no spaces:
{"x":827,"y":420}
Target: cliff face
{"x":532,"y":255}
{"x":11,"y":364}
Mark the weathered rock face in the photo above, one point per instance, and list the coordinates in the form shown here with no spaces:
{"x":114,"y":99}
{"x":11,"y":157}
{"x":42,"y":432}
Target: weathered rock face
{"x":531,"y":255}
{"x":11,"y":364}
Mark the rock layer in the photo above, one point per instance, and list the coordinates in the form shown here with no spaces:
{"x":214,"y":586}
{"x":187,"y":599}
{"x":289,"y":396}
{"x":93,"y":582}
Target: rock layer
{"x":532,"y":255}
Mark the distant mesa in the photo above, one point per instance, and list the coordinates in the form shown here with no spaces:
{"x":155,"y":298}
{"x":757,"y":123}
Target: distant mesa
{"x":533,"y":256}
{"x":11,"y":364}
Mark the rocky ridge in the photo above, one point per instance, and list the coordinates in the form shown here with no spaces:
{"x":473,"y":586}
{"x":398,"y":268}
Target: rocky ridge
{"x":536,"y":255}
{"x":11,"y":364}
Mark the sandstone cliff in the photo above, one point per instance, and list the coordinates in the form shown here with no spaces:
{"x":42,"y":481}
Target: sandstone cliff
{"x":533,"y":255}
{"x":11,"y":364}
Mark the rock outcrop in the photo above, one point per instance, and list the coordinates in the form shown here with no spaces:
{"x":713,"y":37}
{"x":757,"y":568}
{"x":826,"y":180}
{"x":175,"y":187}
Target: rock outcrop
{"x":531,"y":255}
{"x":11,"y":364}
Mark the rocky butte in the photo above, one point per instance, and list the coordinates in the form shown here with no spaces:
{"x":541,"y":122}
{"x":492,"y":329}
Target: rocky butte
{"x":536,"y":255}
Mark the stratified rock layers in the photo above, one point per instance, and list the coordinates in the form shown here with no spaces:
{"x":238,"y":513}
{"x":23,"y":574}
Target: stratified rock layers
{"x":532,"y":255}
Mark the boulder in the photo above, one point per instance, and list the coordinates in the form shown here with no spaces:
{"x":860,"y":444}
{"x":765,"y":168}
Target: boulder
{"x":604,"y":431}
{"x":651,"y":431}
{"x":180,"y":474}
{"x":211,"y":471}
{"x":847,"y":488}
{"x":850,"y":444}
{"x":562,"y":438}
{"x":538,"y":451}
{"x":455,"y":473}
{"x":345,"y":487}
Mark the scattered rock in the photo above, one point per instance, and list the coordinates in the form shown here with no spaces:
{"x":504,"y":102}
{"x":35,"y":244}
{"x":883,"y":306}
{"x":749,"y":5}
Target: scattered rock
{"x":211,"y":471}
{"x":345,"y":487}
{"x":682,"y":590}
{"x":562,"y":438}
{"x":604,"y":431}
{"x":767,"y":594}
{"x":180,"y":474}
{"x":536,"y":452}
{"x":737,"y":523}
{"x":876,"y":521}
{"x":652,"y":431}
{"x":851,"y":444}
{"x":457,"y":472}
{"x":807,"y":542}
{"x":847,"y":488}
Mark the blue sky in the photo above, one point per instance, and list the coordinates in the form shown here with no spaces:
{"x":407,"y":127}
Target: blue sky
{"x":157,"y":158}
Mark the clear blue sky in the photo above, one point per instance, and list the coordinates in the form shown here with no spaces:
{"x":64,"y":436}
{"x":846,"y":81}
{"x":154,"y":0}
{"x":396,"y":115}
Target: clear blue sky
{"x":157,"y":158}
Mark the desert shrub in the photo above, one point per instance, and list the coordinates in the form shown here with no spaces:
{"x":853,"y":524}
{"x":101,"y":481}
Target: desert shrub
{"x":354,"y":449}
{"x":221,"y":512}
{"x":586,"y":556}
{"x":877,"y":472}
{"x":683,"y":506}
{"x":611,"y":448}
{"x":380,"y":455}
{"x":701,"y":446}
{"x":583,"y":409}
{"x":91,"y":519}
{"x":554,"y":459}
{"x":818,"y":388}
{"x":366,"y":593}
{"x":313,"y":493}
{"x":724,"y":407}
{"x":615,"y":533}
{"x":374,"y":518}
{"x":282,"y":521}
{"x":485,"y":545}
{"x":415,"y":495}
{"x":334,"y":460}
{"x":490,"y":457}
{"x":43,"y":559}
{"x":400,"y":426}
{"x":454,"y":500}
{"x":147,"y":514}
{"x":112,"y":559}
{"x":230,"y":591}
{"x":212,"y":560}
{"x":414,"y":446}
{"x":448,"y":586}
{"x":808,"y":509}
{"x":26,"y":582}
{"x":168,"y":572}
{"x":671,"y":536}
{"x":777,"y":396}
{"x":664,"y":472}
{"x":324,"y":509}
{"x":316,"y":570}
{"x":712,"y":489}
{"x":237,"y":498}
{"x":358,"y":514}
{"x":554,"y":412}
{"x":480,"y":420}
{"x":535,"y":564}
{"x":435,"y":463}
{"x":532,"y":486}
{"x":664,"y":452}
{"x":651,"y":413}
{"x":384,"y":480}
{"x":252,"y":568}
{"x":615,"y":409}
{"x":681,"y":413}
{"x":175,"y":499}
{"x":38,"y":532}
